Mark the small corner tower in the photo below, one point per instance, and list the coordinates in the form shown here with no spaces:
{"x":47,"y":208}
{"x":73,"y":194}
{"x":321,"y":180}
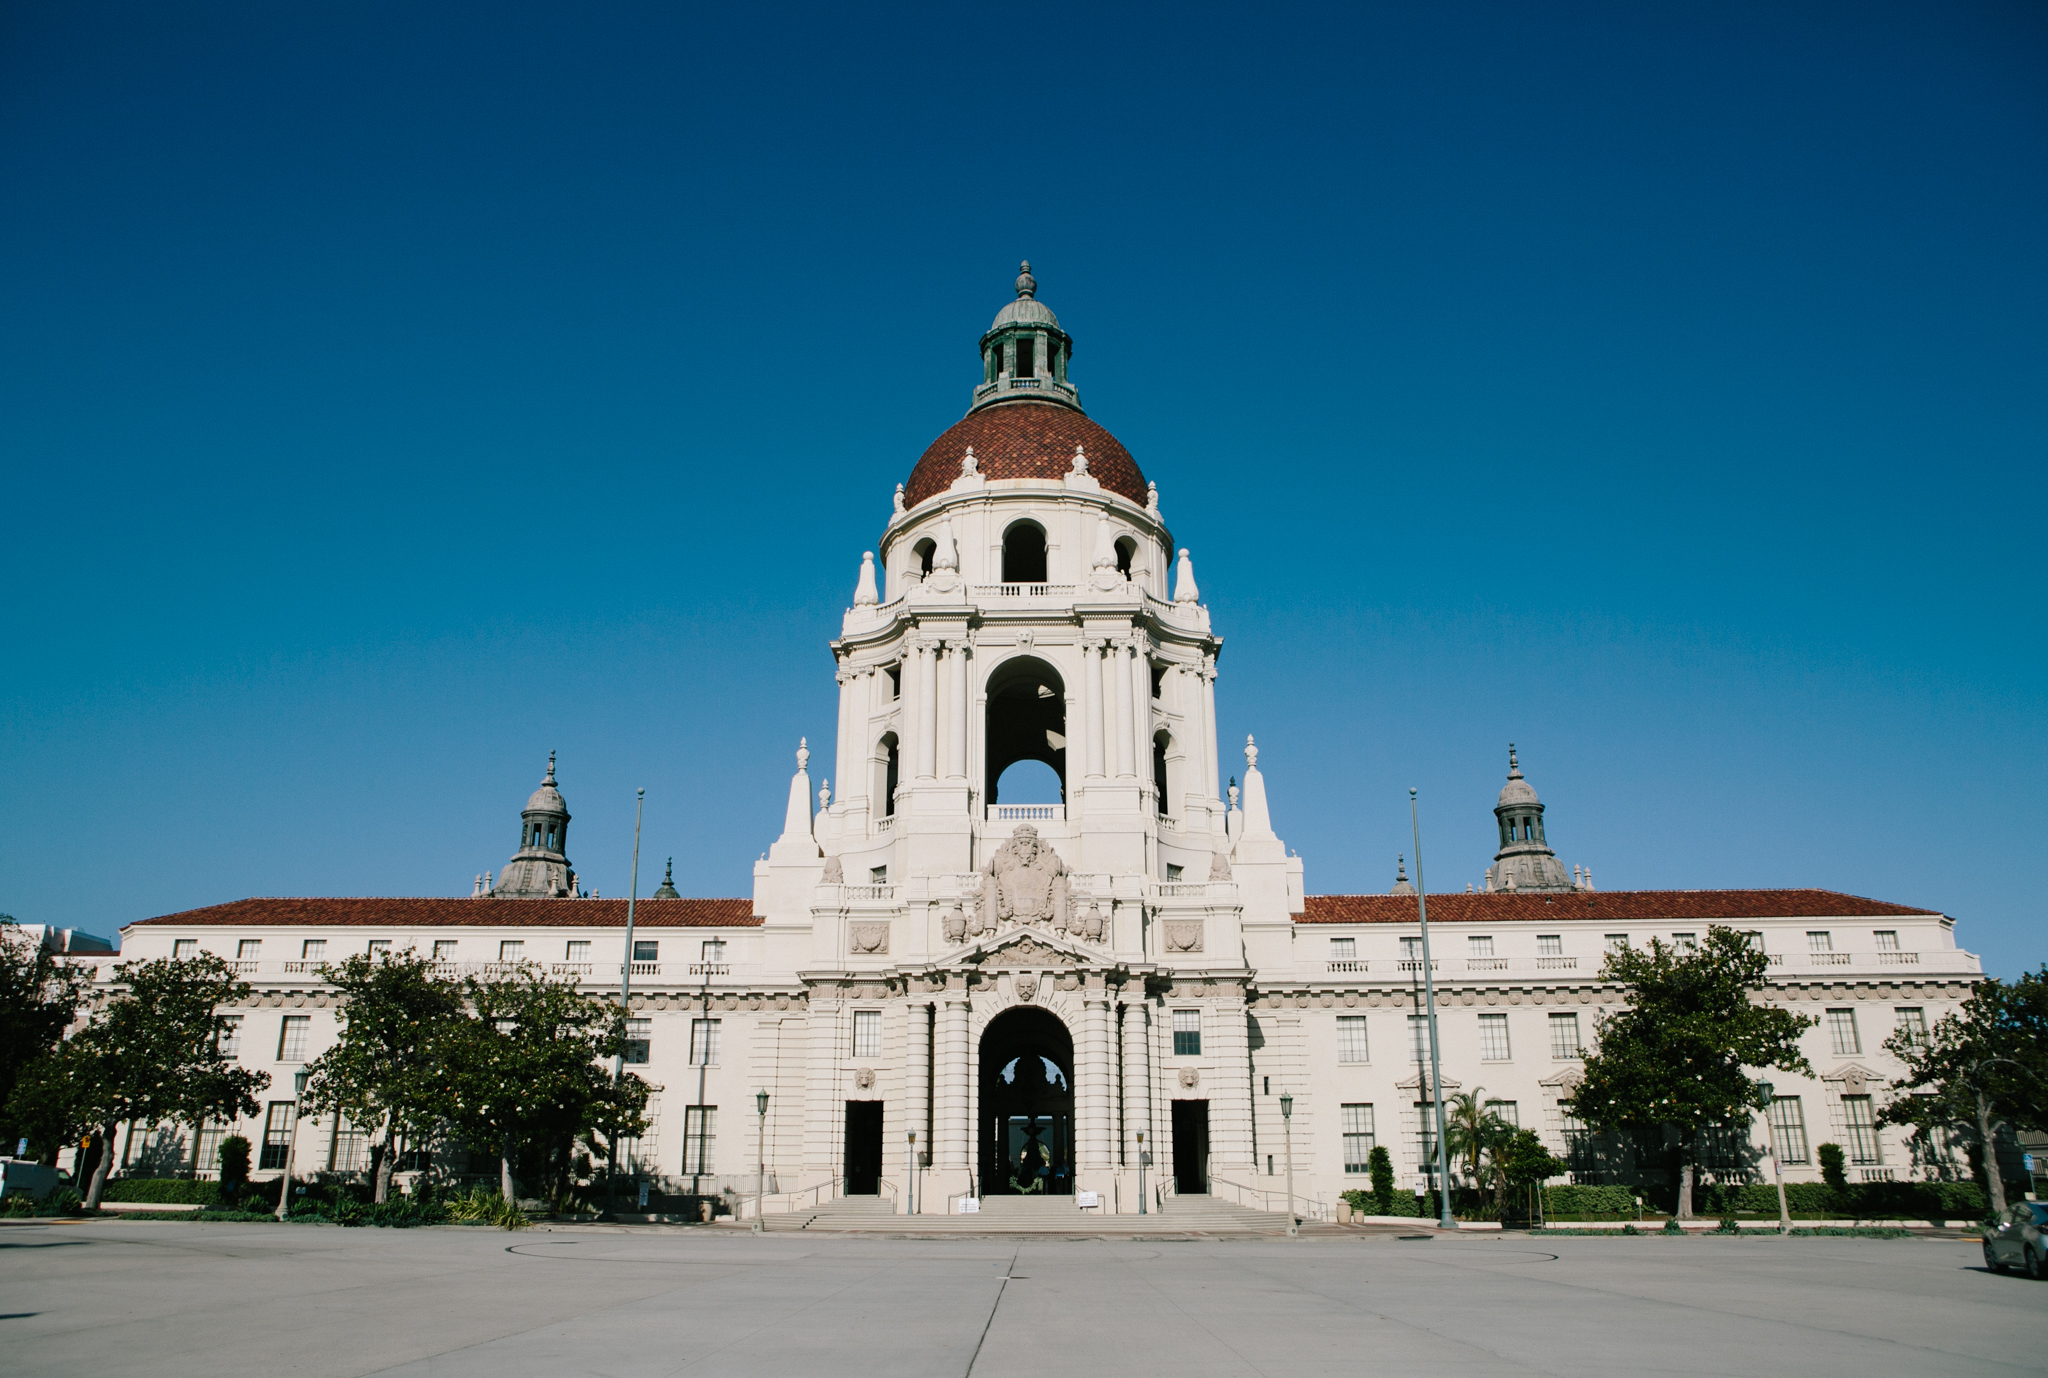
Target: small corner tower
{"x":540,"y":868}
{"x":1524,"y":861}
{"x":1024,"y":354}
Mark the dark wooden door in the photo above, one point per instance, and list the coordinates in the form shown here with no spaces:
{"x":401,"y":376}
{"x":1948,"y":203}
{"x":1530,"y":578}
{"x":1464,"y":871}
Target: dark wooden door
{"x":1191,"y":1146}
{"x":863,"y":1147}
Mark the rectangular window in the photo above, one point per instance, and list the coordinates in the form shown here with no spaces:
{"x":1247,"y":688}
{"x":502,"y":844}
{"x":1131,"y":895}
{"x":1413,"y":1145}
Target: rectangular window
{"x":230,"y":1035}
{"x":1887,"y":939}
{"x":1493,"y":1038}
{"x":1686,"y":942}
{"x":1187,"y":1033}
{"x":313,"y":950}
{"x":646,"y":951}
{"x":184,"y":948}
{"x":1820,"y":942}
{"x":1357,"y":1123}
{"x":704,"y":1042}
{"x":249,"y":949}
{"x":1842,"y":1033}
{"x":714,"y":950}
{"x":1027,"y":358}
{"x":1564,"y":1036}
{"x":1862,"y":1126}
{"x":1578,"y":1140}
{"x":378,"y":945}
{"x":639,"y":1040}
{"x":1411,"y":949}
{"x":1351,"y":1038}
{"x":1617,"y":942}
{"x":291,"y":1039}
{"x":1425,"y":1135}
{"x":1550,"y":945}
{"x":206,"y":1156}
{"x":277,"y":1133}
{"x":444,"y":950}
{"x":878,"y":875}
{"x":1788,"y":1125}
{"x":1913,"y":1024}
{"x":700,"y":1132}
{"x":1478,"y":946}
{"x":1343,"y":949}
{"x":1174,"y":872}
{"x":576,"y":950}
{"x":1510,"y":1112}
{"x":1418,"y":1037}
{"x":350,"y":1151}
{"x":867,"y":1033}
{"x":511,"y":950}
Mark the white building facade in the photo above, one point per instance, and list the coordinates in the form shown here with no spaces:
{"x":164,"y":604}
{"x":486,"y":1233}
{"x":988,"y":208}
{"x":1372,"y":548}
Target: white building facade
{"x":948,"y":996}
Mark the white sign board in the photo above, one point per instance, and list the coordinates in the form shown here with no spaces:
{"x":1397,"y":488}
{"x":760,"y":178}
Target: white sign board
{"x":970,"y":1205}
{"x":1087,"y":1200}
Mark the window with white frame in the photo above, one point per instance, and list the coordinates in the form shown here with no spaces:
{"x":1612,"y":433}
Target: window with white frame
{"x":1351,"y":1038}
{"x":511,"y":950}
{"x":1861,"y":1122}
{"x":229,"y":1039}
{"x":206,"y":1154}
{"x":1550,"y":944}
{"x":1912,"y":1022}
{"x":1509,"y":1112}
{"x":1686,"y":942}
{"x":1887,"y":939}
{"x":1343,"y":949}
{"x":704,"y":1042}
{"x":639,"y":1040}
{"x":1818,"y":942}
{"x":576,"y":950}
{"x":277,"y":1135}
{"x":444,"y":949}
{"x":1411,"y":949}
{"x":1842,"y":1033}
{"x":313,"y":950}
{"x":1493,"y":1038}
{"x":646,"y":950}
{"x":867,"y":1033}
{"x":1564,"y":1036}
{"x":377,"y":947}
{"x":700,"y":1133}
{"x":1418,"y":1037}
{"x":1476,"y":946}
{"x":249,"y":950}
{"x":1425,"y":1135}
{"x":1788,"y":1128}
{"x":1358,"y":1137}
{"x":184,"y":948}
{"x":350,"y":1150}
{"x":1616,"y":942}
{"x":714,"y":950}
{"x":291,"y":1039}
{"x":1187,"y":1033}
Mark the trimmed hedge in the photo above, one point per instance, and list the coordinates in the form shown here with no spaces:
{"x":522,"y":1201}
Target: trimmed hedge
{"x":1864,"y":1201}
{"x":1590,"y":1200}
{"x":163,"y":1191}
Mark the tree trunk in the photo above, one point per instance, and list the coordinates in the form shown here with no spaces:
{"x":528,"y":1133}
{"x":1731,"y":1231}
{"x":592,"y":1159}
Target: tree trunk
{"x":505,"y":1177}
{"x":385,"y":1165}
{"x":1685,"y":1190}
{"x":99,"y":1173}
{"x":1994,"y":1178}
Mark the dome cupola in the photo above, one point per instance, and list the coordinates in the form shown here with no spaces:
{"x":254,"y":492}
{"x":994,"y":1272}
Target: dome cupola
{"x":1024,"y":354}
{"x":540,"y":868}
{"x":1524,"y":861}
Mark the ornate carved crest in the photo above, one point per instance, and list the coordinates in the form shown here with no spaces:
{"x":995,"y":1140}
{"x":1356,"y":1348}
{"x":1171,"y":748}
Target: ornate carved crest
{"x":1025,"y":882}
{"x":1190,"y":1078}
{"x":869,"y":937}
{"x":1031,"y":952}
{"x":1184,"y":935}
{"x":1027,"y":985}
{"x":865,"y":1079}
{"x":835,"y":871}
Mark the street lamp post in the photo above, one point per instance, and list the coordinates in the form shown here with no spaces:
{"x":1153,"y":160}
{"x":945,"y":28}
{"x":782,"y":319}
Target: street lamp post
{"x":291,"y":1143}
{"x":611,"y":1166}
{"x":761,"y":1163}
{"x":1766,"y":1091}
{"x":1436,"y":1076}
{"x":1287,"y":1135}
{"x":910,"y":1178}
{"x":1141,"y":1172}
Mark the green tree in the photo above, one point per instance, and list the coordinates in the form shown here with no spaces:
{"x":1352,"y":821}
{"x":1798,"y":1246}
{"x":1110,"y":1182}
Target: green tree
{"x":383,"y":1073}
{"x":524,"y":1071}
{"x":1518,"y":1158}
{"x":150,"y":1054}
{"x":1380,"y":1164}
{"x":39,"y":997}
{"x":1471,"y":1127}
{"x":1978,"y":1072}
{"x":1677,"y":1055}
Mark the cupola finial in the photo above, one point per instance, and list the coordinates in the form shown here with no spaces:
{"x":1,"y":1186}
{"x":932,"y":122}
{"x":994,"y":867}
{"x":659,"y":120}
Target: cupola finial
{"x":1514,"y":767}
{"x":551,"y":770}
{"x":1027,"y":285}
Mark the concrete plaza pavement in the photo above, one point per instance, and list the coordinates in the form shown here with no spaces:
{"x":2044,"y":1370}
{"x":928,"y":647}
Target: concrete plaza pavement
{"x":179,"y":1300}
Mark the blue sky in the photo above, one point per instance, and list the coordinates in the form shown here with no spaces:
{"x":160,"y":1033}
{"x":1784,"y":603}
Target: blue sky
{"x":394,"y":393}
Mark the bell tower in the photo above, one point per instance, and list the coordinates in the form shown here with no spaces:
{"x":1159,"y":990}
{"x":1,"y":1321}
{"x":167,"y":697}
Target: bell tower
{"x":540,"y":868}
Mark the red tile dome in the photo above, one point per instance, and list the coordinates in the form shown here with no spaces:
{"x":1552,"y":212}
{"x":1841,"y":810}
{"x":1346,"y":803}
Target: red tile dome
{"x":1025,"y":440}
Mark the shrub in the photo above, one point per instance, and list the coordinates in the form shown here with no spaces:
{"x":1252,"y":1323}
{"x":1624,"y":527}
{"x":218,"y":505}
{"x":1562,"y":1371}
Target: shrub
{"x":483,"y":1206}
{"x":351,"y":1213}
{"x":62,"y":1201}
{"x":1380,"y":1164}
{"x":162,"y":1190}
{"x":1672,"y":1226}
{"x":1589,"y":1200}
{"x":1833,"y":1166}
{"x":1728,"y":1226}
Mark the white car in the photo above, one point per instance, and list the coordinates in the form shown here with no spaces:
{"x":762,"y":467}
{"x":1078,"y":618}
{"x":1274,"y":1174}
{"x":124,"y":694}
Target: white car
{"x":24,"y":1177}
{"x":2018,"y":1240}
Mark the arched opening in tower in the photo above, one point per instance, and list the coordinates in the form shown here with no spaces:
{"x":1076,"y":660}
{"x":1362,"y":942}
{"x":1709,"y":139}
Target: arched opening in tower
{"x":1024,"y":554}
{"x":1027,"y":721}
{"x":1027,"y":1105}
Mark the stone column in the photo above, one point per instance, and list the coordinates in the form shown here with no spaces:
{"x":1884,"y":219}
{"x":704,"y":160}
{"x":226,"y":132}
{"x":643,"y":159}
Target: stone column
{"x":1096,"y":1155}
{"x":843,"y":755}
{"x":917,"y":1089}
{"x":1091,"y":707}
{"x":1141,"y":707}
{"x":927,"y":711}
{"x":952,"y":1128}
{"x":822,"y":1109}
{"x":1209,"y":758}
{"x":1137,"y":1082}
{"x":956,"y":706}
{"x":1126,"y":760}
{"x":1197,"y":720}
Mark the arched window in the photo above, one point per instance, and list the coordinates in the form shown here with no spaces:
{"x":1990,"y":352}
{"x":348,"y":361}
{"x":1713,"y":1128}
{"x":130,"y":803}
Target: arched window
{"x":1024,"y":554}
{"x":1126,"y":552}
{"x":921,"y":556}
{"x":1027,"y":721}
{"x":1159,"y":743}
{"x":885,"y":774}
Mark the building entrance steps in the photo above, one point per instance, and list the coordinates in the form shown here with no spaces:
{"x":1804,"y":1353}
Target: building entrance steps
{"x":1051,"y":1215}
{"x":1193,"y":1211}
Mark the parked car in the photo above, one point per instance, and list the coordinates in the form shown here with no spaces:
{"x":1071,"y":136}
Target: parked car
{"x":23,"y":1177}
{"x":2020,"y":1239}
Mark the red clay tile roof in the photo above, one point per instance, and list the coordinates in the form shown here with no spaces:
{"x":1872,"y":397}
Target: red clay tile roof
{"x":1025,"y":440}
{"x":472,"y":913}
{"x":1605,"y":905}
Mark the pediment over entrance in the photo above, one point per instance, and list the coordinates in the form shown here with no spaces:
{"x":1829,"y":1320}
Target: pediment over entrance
{"x":1419,"y":1082}
{"x":1855,"y":1078}
{"x":1029,"y":949}
{"x":1569,"y":1079}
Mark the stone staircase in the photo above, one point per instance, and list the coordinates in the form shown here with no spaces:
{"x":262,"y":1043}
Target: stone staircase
{"x":1214,"y":1215}
{"x":1048,"y":1215}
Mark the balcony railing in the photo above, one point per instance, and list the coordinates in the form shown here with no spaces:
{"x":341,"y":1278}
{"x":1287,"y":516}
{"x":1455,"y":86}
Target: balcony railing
{"x":867,"y":892}
{"x":1168,"y":823}
{"x":1910,"y":959}
{"x":1025,"y":590}
{"x":244,"y":968}
{"x":1557,"y":963}
{"x":1415,"y":964}
{"x":1486,"y":964}
{"x":711,"y":968}
{"x":1195,"y":890}
{"x":1027,"y":813}
{"x":569,"y":968}
{"x":1831,"y":959}
{"x":1343,"y":967}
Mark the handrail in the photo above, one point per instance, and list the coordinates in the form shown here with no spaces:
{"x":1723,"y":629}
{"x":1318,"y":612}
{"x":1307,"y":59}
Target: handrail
{"x":1314,"y":1208}
{"x":789,"y":1198}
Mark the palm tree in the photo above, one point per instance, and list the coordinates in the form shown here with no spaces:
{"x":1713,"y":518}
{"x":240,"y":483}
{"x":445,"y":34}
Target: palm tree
{"x":1471,"y":1128}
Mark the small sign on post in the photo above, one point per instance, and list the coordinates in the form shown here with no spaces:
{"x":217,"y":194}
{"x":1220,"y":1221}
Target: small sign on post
{"x":1087,"y":1200}
{"x":970,"y":1205}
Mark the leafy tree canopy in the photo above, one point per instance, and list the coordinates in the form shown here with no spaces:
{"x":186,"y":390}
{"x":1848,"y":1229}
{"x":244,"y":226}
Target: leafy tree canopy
{"x":39,"y":997}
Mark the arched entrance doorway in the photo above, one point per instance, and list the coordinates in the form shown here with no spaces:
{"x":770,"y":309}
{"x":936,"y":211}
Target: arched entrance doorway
{"x":1027,"y":720}
{"x":1027,"y":1105}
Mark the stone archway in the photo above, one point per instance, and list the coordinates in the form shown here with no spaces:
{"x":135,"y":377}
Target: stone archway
{"x":1026,"y":1137}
